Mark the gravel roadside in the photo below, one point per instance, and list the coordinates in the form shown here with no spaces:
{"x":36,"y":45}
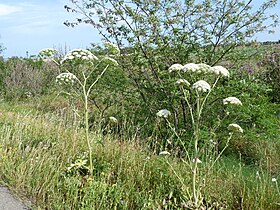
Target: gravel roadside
{"x":9,"y":202}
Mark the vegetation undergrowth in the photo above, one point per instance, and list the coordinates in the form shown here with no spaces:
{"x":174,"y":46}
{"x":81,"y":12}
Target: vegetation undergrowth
{"x":47,"y":163}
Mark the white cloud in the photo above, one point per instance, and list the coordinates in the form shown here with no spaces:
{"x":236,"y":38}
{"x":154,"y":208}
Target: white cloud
{"x":6,"y":9}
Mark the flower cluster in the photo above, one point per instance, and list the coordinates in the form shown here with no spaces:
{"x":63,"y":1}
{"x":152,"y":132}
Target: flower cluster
{"x":200,"y":69}
{"x":219,"y":70}
{"x":175,"y":67}
{"x":110,"y":61}
{"x":196,"y":160}
{"x":201,"y":86}
{"x":204,"y":68}
{"x":182,"y":82}
{"x":163,"y":113}
{"x":232,"y":100}
{"x":164,"y":153}
{"x":66,"y":78}
{"x":47,"y":52}
{"x":235,"y":128}
{"x":79,"y":54}
{"x":113,"y":119}
{"x":191,"y":67}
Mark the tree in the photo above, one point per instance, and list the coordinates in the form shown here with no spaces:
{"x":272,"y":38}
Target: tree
{"x":153,"y":34}
{"x":163,"y":26}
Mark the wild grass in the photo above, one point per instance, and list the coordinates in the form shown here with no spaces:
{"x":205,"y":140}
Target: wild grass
{"x":45,"y":161}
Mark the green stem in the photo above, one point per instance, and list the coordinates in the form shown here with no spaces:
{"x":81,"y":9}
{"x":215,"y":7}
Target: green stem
{"x":209,"y":94}
{"x":195,"y":167}
{"x":87,"y":126}
{"x":189,"y":105}
{"x":98,"y":77}
{"x":194,"y":173}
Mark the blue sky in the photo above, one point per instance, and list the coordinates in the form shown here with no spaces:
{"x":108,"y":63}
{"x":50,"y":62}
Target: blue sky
{"x":31,"y":25}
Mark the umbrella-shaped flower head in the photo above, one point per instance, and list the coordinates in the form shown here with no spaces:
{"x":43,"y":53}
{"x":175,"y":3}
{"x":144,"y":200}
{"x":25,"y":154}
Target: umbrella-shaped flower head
{"x":232,"y":100}
{"x":201,"y":86}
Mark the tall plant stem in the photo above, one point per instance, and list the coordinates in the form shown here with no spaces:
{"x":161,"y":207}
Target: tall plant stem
{"x":86,"y":93}
{"x":87,"y":125}
{"x":196,"y":139}
{"x":195,"y":196}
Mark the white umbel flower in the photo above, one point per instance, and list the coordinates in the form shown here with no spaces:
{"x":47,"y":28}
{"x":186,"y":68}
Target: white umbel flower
{"x":113,"y":119}
{"x":219,"y":70}
{"x":164,"y":153}
{"x":274,"y":180}
{"x":79,"y":54}
{"x":175,"y":67}
{"x":201,"y":86}
{"x":47,"y":52}
{"x":66,"y":78}
{"x":163,"y":113}
{"x":110,"y":61}
{"x":182,"y":82}
{"x":204,"y":68}
{"x":190,"y":67}
{"x":196,"y":160}
{"x":232,"y":100}
{"x":235,"y":128}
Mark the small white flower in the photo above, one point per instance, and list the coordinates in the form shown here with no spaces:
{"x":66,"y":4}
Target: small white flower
{"x":147,"y":158}
{"x":47,"y":52}
{"x":164,"y":153}
{"x":79,"y":54}
{"x":274,"y":180}
{"x":190,"y":67}
{"x":113,"y":119}
{"x":196,"y":160}
{"x":28,"y":94}
{"x":91,"y":56}
{"x":163,"y":113}
{"x":110,"y":61}
{"x":204,"y":68}
{"x":175,"y":67}
{"x":219,"y":70}
{"x":201,"y":86}
{"x":84,"y":57}
{"x":232,"y":100}
{"x":212,"y":142}
{"x":182,"y":82}
{"x":66,"y":78}
{"x":235,"y":128}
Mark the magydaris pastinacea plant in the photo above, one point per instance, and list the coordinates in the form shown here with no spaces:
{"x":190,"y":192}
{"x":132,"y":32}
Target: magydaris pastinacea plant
{"x":79,"y":82}
{"x":200,"y":90}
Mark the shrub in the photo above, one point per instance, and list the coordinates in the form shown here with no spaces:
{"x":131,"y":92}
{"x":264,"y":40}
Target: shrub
{"x":28,"y":77}
{"x":271,"y":63}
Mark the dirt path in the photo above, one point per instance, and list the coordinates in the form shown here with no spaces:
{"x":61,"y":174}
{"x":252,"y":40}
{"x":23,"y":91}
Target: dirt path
{"x":9,"y":202}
